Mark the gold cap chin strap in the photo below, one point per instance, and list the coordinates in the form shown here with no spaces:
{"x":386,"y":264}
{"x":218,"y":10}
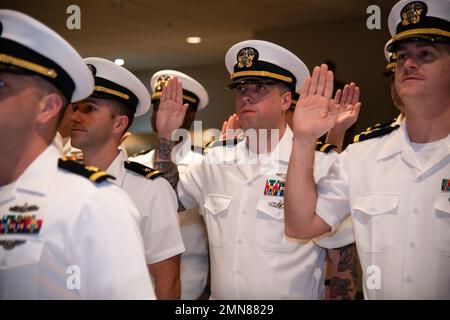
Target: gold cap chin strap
{"x":51,"y":73}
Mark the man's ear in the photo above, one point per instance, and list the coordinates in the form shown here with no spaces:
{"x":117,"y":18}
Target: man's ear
{"x":121,"y":123}
{"x":286,"y":100}
{"x":49,"y":107}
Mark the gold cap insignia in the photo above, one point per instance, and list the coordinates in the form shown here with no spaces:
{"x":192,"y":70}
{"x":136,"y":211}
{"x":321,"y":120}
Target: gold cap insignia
{"x":162,"y":82}
{"x":246,"y":56}
{"x":393,"y":57}
{"x":412,"y":12}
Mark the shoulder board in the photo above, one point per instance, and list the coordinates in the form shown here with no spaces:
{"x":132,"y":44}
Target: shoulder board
{"x":92,"y":173}
{"x":324,"y":147}
{"x":375,"y":132}
{"x":145,"y":171}
{"x":380,"y":125}
{"x":198,"y":149}
{"x":140,"y":153}
{"x":224,"y":143}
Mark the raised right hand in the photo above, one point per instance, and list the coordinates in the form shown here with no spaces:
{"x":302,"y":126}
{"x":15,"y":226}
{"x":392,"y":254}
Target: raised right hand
{"x":171,"y":110}
{"x":315,"y":112}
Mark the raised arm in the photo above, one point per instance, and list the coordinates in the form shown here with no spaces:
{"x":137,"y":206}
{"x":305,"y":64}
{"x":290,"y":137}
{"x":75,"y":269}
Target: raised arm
{"x":314,"y":115}
{"x":170,"y":117}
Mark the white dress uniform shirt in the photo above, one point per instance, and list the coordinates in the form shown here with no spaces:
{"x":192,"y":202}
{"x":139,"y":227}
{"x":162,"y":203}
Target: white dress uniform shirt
{"x":157,"y":204}
{"x":400,"y":211}
{"x":88,"y":246}
{"x":194,"y":261}
{"x":242,"y":204}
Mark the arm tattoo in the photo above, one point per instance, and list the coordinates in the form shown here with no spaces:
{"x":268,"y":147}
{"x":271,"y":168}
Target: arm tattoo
{"x":170,"y":171}
{"x":164,"y":150}
{"x":163,"y":163}
{"x":343,"y":274}
{"x":349,"y":260}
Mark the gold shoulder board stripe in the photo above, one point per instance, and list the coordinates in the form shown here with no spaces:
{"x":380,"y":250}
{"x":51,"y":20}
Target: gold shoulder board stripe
{"x":154,"y":174}
{"x":324,"y":147}
{"x":142,"y":170}
{"x":92,"y":173}
{"x":97,"y":175}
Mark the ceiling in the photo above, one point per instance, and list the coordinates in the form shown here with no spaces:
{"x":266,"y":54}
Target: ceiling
{"x":151,"y":34}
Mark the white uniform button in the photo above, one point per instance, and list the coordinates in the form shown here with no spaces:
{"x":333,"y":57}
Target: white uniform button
{"x":239,"y":241}
{"x":409,"y":279}
{"x":412,"y":244}
{"x":237,"y":271}
{"x":415,"y":211}
{"x":243,"y":212}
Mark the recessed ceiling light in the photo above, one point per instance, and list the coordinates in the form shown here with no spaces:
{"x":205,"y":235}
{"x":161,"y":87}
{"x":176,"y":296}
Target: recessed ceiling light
{"x":119,"y":61}
{"x":193,"y":40}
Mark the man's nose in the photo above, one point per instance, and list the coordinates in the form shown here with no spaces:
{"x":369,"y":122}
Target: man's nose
{"x":411,"y":64}
{"x":247,"y":96}
{"x":76,"y":116}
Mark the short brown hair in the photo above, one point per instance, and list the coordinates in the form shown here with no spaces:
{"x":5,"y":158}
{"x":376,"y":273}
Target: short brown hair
{"x":120,"y":109}
{"x":43,"y":88}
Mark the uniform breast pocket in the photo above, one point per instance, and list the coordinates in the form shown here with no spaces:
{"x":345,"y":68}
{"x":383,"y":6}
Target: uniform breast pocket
{"x":270,"y":228}
{"x":374,"y":219}
{"x":442,"y":223}
{"x":19,"y":268}
{"x":215,"y":214}
{"x":19,"y":253}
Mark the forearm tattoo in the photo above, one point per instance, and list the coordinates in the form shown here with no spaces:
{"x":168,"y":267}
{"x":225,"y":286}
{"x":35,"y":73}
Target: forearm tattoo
{"x":164,"y":150}
{"x":163,"y":163}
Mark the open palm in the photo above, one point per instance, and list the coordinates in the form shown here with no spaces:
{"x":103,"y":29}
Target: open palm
{"x":171,"y":109}
{"x":315,"y":112}
{"x":347,"y":106}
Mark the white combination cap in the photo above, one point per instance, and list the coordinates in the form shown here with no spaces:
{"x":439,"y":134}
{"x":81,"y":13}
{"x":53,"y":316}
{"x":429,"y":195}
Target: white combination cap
{"x":257,"y":61}
{"x":115,"y":82}
{"x":194,"y":94}
{"x":28,"y":46}
{"x":424,"y":21}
